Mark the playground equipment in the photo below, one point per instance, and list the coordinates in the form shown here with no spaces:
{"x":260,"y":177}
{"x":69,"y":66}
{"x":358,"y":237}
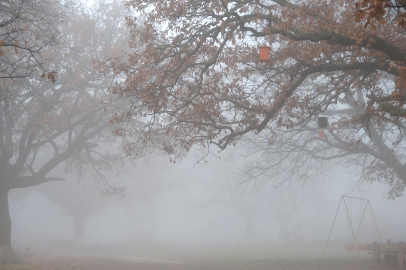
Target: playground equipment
{"x":355,"y":238}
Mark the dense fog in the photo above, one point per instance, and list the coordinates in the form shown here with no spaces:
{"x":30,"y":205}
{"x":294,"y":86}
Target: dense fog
{"x":186,"y":133}
{"x":200,"y":204}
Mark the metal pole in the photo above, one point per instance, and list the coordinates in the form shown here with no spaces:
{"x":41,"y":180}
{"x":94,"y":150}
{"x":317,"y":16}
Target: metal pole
{"x":328,"y":239}
{"x":356,"y":198}
{"x":362,"y":218}
{"x":352,"y":230}
{"x":376,"y":226}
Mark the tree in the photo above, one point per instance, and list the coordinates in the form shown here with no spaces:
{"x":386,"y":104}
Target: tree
{"x":246,"y":205}
{"x":216,"y":184}
{"x":287,"y":202}
{"x":373,"y":152}
{"x":45,"y":124}
{"x":289,"y":179}
{"x":77,"y":200}
{"x":203,"y":83}
{"x":27,"y":29}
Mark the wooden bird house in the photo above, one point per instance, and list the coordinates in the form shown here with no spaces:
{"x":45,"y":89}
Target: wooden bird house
{"x":264,"y":53}
{"x":323,"y":122}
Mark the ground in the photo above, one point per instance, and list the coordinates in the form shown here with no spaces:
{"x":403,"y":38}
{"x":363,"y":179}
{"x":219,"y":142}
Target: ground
{"x":192,"y":257}
{"x":95,"y":263}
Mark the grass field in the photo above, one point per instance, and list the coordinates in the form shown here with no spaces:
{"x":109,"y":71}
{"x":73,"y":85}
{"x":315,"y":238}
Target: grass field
{"x":196,"y":257}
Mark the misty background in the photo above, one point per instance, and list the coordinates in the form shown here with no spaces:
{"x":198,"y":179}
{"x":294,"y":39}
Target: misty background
{"x":193,"y":203}
{"x":151,"y":205}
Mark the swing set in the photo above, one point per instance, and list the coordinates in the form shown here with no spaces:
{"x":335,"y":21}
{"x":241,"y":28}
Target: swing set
{"x":355,"y":239}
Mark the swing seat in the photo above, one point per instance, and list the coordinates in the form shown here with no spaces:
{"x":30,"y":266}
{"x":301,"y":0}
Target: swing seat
{"x":349,"y":247}
{"x":361,"y":246}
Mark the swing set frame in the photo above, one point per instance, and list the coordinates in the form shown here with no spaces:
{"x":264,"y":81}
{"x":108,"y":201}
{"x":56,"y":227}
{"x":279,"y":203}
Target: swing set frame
{"x":354,"y":234}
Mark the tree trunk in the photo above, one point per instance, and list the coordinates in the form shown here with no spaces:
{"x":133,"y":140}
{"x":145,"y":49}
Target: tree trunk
{"x":283,"y":230}
{"x":79,"y":227}
{"x":7,"y":255}
{"x":249,"y":224}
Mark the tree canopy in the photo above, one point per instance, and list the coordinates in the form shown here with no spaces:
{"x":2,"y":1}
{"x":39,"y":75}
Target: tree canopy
{"x":194,"y":70}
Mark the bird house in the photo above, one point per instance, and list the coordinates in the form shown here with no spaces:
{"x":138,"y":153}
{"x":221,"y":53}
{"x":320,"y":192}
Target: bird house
{"x":322,"y":122}
{"x":264,"y":53}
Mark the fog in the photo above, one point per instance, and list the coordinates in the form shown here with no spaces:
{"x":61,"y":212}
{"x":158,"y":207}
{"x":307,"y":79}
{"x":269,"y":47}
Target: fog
{"x":189,"y":132}
{"x":174,"y":209}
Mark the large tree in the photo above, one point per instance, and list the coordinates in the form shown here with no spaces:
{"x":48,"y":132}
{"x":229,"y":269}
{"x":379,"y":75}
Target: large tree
{"x":195,"y":67}
{"x":43,"y":124}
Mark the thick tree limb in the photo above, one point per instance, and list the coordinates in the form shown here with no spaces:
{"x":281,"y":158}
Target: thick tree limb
{"x":30,"y":181}
{"x":395,"y":111}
